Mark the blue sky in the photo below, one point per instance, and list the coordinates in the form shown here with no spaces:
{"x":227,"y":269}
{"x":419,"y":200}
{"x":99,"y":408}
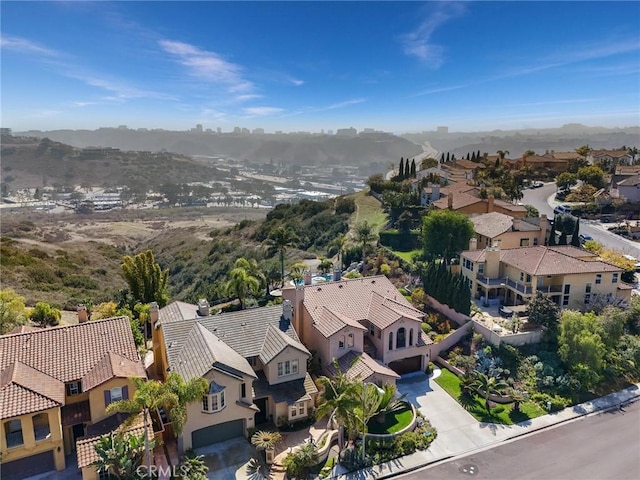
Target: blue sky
{"x":393,"y":66}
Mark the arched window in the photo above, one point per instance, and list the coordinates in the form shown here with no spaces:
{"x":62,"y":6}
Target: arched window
{"x":401,"y":338}
{"x":411,"y":337}
{"x":390,"y":340}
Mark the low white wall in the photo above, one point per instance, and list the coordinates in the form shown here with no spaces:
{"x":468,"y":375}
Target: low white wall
{"x":515,"y":339}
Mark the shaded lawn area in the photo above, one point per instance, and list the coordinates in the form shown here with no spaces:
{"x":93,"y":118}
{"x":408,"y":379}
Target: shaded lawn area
{"x":393,"y":422}
{"x":407,"y":256}
{"x":474,"y":404}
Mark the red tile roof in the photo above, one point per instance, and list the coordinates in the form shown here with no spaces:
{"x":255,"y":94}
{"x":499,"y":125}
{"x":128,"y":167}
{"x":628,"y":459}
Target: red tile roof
{"x":26,"y":390}
{"x":112,"y":365}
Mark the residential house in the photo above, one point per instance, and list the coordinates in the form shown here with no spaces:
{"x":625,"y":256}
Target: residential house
{"x":629,"y":188}
{"x":545,"y":162}
{"x":469,"y":205}
{"x":568,"y":275}
{"x":507,"y":231}
{"x":469,"y":167}
{"x":607,"y":158}
{"x":366,"y":318}
{"x":622,"y":172}
{"x":55,"y":383}
{"x":254,"y":362}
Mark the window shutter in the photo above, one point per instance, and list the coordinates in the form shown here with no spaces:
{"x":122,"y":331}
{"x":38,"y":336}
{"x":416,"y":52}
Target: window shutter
{"x":107,"y":398}
{"x":125,"y":393}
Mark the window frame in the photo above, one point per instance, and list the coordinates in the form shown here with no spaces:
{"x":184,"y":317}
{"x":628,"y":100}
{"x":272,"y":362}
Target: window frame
{"x":71,"y":386}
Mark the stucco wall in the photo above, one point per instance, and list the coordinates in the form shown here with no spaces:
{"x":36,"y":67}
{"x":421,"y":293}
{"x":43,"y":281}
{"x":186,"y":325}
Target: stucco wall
{"x":288,"y":354}
{"x":96,"y":397}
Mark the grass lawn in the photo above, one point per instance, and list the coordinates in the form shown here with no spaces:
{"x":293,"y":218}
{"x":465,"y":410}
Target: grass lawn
{"x":503,"y":414}
{"x":407,"y":256}
{"x":369,"y":209}
{"x":392,"y":422}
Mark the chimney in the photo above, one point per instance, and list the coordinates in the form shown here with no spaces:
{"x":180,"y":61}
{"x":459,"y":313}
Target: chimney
{"x":492,"y":261}
{"x":516,"y":224}
{"x":450,"y":201}
{"x":473,"y":244}
{"x":203,"y":307}
{"x":490,"y":201}
{"x":83,"y":315}
{"x":435,"y":192}
{"x":337,"y":273}
{"x":307,"y":277}
{"x":287,"y":310}
{"x":544,"y":228}
{"x":295,"y":297}
{"x":154,"y":312}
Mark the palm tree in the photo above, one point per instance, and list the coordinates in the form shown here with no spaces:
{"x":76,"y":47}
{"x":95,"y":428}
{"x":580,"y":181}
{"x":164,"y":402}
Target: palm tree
{"x":186,"y":392}
{"x":150,"y":395}
{"x":389,"y":402}
{"x":518,"y":396}
{"x":364,"y":235}
{"x":242,"y":284}
{"x":339,"y":399}
{"x":502,"y":153}
{"x":265,"y":440}
{"x":336,"y":246}
{"x":280,"y":238}
{"x":296,"y":272}
{"x":253,"y":269}
{"x":485,"y":385}
{"x":325,"y":266}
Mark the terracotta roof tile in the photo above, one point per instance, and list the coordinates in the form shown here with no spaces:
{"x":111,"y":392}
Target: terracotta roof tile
{"x":69,"y":352}
{"x":26,"y":390}
{"x":360,"y":366}
{"x":330,"y":322}
{"x":112,"y":365}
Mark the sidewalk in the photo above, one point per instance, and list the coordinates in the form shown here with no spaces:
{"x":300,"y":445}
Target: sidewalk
{"x":457,"y":435}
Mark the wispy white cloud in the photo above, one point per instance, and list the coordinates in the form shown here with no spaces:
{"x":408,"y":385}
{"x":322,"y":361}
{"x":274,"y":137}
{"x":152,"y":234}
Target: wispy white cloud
{"x":263,"y":111}
{"x":120,"y":90}
{"x":333,"y":106}
{"x":207,"y":65}
{"x":84,"y":104}
{"x":418,"y":43}
{"x":25,"y":46}
{"x":247,"y":97}
{"x":432,"y":91}
{"x":295,"y":82}
{"x":558,"y":102}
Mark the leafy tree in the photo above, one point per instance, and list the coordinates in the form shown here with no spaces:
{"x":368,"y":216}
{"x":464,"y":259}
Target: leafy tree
{"x":544,"y":311}
{"x":281,"y":238}
{"x":566,"y":180}
{"x":583,"y":151}
{"x":44,"y":315}
{"x":428,"y":163}
{"x":532,"y":212}
{"x":185,"y":392}
{"x":12,"y":311}
{"x":581,"y":347}
{"x":445,"y":233}
{"x":121,"y":455}
{"x":150,"y":395}
{"x":336,"y":246}
{"x":364,"y":235}
{"x":592,"y":175}
{"x":147,"y":281}
{"x":297,"y":463}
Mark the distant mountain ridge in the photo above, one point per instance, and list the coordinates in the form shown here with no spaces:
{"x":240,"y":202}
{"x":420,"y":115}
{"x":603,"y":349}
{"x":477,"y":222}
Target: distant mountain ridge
{"x":290,"y":149}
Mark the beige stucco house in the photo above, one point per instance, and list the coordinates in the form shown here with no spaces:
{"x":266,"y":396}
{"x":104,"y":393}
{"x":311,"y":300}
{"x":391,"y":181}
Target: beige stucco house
{"x":569,"y":275}
{"x":507,"y":231}
{"x":253,"y":360}
{"x":55,"y":385}
{"x":366,"y":318}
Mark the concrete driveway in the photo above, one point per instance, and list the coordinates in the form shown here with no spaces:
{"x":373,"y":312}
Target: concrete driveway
{"x":225,"y":458}
{"x":457,"y":430}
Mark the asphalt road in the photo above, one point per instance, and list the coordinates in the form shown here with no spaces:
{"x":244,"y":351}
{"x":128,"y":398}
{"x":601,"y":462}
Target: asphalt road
{"x":601,"y":447}
{"x":538,"y":198}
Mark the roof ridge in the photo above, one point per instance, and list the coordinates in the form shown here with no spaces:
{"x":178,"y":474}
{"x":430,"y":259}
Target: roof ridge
{"x":59,"y":327}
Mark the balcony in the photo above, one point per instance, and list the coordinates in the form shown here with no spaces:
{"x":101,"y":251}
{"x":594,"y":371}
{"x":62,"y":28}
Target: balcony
{"x":519,"y":287}
{"x":490,"y":282}
{"x":505,"y":282}
{"x":549,"y":289}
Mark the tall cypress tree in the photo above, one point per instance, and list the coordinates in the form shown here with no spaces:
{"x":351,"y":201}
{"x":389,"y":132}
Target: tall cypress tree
{"x":448,"y":156}
{"x":467,"y":155}
{"x":442,"y":157}
{"x":575,"y":239}
{"x":401,"y":171}
{"x":413,"y":168}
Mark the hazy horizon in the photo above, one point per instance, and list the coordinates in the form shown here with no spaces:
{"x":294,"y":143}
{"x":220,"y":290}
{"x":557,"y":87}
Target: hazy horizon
{"x":398,"y":67}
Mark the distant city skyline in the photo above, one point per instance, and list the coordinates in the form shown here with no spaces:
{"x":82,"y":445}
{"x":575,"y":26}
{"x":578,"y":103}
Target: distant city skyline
{"x":311,"y":66}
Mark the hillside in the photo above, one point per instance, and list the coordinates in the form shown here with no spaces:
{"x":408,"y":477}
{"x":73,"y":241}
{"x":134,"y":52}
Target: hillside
{"x":291,"y":149}
{"x":30,"y":162}
{"x":65,"y":259}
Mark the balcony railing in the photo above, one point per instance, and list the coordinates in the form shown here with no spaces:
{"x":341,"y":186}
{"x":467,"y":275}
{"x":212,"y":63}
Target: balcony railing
{"x":550,"y":288}
{"x":520,"y":287}
{"x":492,"y":282}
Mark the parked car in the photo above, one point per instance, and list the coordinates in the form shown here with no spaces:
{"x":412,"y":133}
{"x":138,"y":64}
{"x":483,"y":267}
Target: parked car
{"x":537,"y":184}
{"x":562,"y":209}
{"x":585,"y":237}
